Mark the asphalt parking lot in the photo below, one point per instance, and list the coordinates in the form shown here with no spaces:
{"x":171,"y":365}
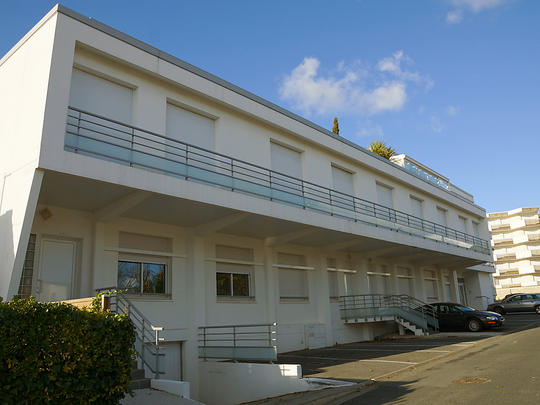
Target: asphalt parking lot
{"x":379,"y":359}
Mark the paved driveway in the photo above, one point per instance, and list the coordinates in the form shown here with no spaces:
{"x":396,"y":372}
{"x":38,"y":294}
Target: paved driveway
{"x":374,"y":360}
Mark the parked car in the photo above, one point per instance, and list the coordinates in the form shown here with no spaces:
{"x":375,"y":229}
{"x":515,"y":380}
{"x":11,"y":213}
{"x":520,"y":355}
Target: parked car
{"x":517,"y":303}
{"x":453,"y":317}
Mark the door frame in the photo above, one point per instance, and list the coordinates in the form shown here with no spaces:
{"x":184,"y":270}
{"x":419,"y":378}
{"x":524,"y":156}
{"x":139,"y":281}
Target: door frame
{"x":75,"y":279}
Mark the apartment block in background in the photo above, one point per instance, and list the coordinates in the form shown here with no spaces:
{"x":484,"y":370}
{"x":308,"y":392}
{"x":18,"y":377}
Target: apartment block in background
{"x":516,"y":249}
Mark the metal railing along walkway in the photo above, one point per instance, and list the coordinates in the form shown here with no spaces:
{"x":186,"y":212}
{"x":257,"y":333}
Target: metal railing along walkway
{"x":147,"y":339}
{"x":359,"y":308}
{"x":107,"y":139}
{"x":255,"y":342}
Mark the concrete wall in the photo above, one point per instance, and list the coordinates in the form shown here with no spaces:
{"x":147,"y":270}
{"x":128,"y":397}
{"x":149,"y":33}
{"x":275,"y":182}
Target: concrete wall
{"x":220,"y":381}
{"x":24,"y":80}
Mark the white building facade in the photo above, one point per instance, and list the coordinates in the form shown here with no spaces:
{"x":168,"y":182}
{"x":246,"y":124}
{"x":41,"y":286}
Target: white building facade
{"x":124,"y":166}
{"x":516,"y":249}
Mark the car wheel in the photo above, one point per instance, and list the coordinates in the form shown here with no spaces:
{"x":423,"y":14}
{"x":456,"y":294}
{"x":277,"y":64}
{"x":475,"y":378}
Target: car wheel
{"x":474,"y":325}
{"x":499,"y":310}
{"x":537,"y":309}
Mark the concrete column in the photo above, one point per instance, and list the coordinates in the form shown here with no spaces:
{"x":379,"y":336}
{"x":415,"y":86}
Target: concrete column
{"x":454,"y":285}
{"x":98,"y":262}
{"x":419,"y":288}
{"x":322,"y":293}
{"x":361,"y":276}
{"x":440,"y":285}
{"x":393,"y":279}
{"x":271,"y":288}
{"x":196,"y":296}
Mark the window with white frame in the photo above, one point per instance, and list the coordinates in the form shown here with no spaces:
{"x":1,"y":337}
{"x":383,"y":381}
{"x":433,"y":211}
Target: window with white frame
{"x":384,"y":195}
{"x":293,"y":277}
{"x":430,"y":283}
{"x":349,"y":285}
{"x":416,"y":207}
{"x":143,"y":273}
{"x":441,"y":216}
{"x":286,"y":160}
{"x":462,"y":224}
{"x":378,"y":281}
{"x":405,"y":281}
{"x":476,"y":229}
{"x":234,"y":272}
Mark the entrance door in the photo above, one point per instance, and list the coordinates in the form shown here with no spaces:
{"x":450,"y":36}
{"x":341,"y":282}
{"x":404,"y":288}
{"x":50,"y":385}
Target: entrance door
{"x":56,"y":269}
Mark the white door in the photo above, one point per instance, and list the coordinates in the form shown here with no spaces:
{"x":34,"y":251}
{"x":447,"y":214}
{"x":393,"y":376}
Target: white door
{"x":56,"y":269}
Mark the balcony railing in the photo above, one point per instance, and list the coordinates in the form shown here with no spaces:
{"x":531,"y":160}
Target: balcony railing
{"x":238,"y":342}
{"x":104,"y":138}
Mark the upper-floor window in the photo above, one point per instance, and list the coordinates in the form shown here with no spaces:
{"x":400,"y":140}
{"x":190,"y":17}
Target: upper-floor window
{"x":462,"y":224}
{"x":476,"y":229}
{"x":190,"y":127}
{"x":441,"y":216}
{"x":101,"y":96}
{"x":416,"y":207}
{"x":384,"y":195}
{"x":234,"y":271}
{"x":342,"y":180}
{"x":286,"y":160}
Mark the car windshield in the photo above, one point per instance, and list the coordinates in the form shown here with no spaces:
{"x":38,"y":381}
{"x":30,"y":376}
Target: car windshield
{"x":465,"y":309}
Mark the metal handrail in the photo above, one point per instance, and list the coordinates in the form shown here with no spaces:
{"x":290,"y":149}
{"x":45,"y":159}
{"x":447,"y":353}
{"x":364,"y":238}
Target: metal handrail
{"x":237,"y":337}
{"x":147,"y":334}
{"x":393,"y":305}
{"x":138,"y":147}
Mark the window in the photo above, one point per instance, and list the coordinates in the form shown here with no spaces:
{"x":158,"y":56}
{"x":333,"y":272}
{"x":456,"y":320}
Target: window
{"x":142,"y":277}
{"x":349,"y":286}
{"x":343,"y":181}
{"x":405,"y":281}
{"x":416,"y":207}
{"x":476,"y":229}
{"x":333,"y":286}
{"x":232,"y":284}
{"x":233,"y":271}
{"x":286,"y":160}
{"x":293,"y":282}
{"x":441,"y":216}
{"x":384,"y":196}
{"x":189,"y":127}
{"x":430,"y":283}
{"x":462,"y":224}
{"x":100,"y":96}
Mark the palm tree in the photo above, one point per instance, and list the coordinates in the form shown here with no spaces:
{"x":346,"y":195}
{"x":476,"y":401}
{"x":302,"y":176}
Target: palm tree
{"x":382,"y":149}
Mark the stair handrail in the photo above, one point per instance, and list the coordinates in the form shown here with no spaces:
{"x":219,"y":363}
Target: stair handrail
{"x":147,"y":333}
{"x":404,"y":302}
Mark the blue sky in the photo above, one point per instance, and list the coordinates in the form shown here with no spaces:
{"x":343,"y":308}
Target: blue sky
{"x":452,"y":83}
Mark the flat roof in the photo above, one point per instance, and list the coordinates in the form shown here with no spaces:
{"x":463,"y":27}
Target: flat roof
{"x":213,"y":78}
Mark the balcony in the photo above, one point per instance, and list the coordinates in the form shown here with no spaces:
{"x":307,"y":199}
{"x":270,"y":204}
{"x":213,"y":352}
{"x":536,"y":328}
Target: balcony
{"x":107,"y":139}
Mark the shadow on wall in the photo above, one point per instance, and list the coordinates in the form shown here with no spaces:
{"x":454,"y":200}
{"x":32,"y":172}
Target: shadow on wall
{"x":7,"y":252}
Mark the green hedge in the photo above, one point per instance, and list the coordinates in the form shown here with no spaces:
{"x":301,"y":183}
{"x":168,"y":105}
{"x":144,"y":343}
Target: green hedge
{"x":52,"y":353}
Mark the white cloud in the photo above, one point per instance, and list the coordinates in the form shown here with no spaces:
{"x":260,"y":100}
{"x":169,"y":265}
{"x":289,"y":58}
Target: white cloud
{"x":350,"y":89}
{"x":455,"y":16}
{"x":452,"y":110}
{"x":435,"y":124}
{"x":372,"y":131}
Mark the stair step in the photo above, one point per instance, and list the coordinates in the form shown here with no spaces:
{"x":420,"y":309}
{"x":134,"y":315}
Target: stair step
{"x":137,"y":374}
{"x":140,"y":384}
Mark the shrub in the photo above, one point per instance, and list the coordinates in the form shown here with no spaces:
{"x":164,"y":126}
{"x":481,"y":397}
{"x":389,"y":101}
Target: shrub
{"x":382,"y":149}
{"x":54,"y":353}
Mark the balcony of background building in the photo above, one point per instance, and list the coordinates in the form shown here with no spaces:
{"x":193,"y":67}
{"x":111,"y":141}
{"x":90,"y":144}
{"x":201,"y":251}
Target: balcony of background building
{"x":111,"y":140}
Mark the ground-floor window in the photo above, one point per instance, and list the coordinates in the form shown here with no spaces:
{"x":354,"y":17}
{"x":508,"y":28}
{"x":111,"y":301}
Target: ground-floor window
{"x":142,"y":276}
{"x":333,"y":286}
{"x":293,"y":284}
{"x":234,"y":270}
{"x":430,"y":284}
{"x":405,"y":281}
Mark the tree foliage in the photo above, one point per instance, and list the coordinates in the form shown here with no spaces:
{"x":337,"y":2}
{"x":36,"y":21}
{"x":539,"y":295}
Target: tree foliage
{"x":335,"y":128}
{"x":54,"y":353}
{"x":382,"y":149}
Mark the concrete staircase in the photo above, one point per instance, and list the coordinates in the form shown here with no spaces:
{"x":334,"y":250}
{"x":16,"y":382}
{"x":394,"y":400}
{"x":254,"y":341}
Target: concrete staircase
{"x":138,"y":379}
{"x":417,"y":330}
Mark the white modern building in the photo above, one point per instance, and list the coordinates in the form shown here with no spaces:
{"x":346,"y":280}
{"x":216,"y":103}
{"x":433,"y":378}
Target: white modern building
{"x":516,"y":247}
{"x":121,"y":165}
